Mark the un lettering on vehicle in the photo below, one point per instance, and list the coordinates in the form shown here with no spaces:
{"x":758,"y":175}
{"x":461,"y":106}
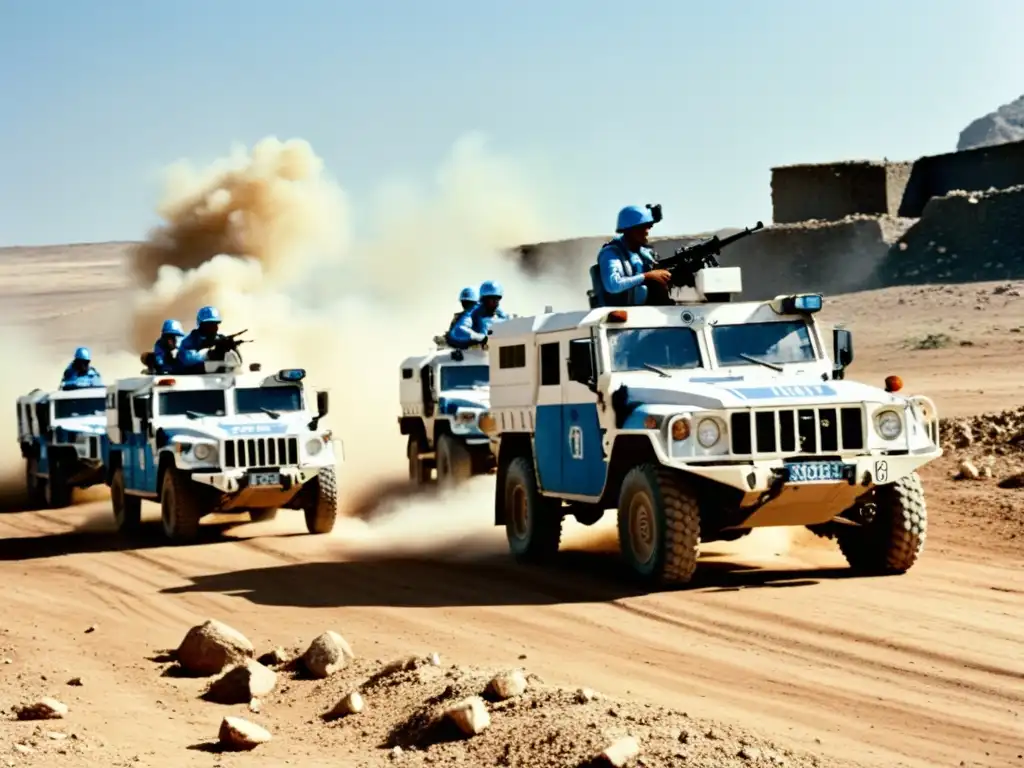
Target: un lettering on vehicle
{"x":576,"y":442}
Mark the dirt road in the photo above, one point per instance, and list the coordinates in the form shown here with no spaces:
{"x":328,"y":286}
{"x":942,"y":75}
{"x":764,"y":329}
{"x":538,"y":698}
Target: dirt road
{"x":924,"y":669}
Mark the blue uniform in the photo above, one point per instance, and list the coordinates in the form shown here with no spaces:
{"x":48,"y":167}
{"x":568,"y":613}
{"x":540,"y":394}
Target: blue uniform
{"x":622,"y":271}
{"x":472,"y":326}
{"x":193,"y":350}
{"x":163,"y":361}
{"x":74,"y":380}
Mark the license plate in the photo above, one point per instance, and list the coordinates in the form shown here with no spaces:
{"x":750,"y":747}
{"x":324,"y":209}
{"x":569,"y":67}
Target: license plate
{"x":265,"y":478}
{"x":815,"y":471}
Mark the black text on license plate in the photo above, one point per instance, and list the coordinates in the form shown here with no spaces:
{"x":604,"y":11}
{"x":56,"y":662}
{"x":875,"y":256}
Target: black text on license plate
{"x":265,"y":478}
{"x":815,"y":471}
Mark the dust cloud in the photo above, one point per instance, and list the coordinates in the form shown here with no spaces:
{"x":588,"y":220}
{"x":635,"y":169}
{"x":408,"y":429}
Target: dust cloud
{"x":269,"y":238}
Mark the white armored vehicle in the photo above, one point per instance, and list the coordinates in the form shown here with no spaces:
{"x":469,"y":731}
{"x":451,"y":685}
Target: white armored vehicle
{"x":63,"y":441}
{"x":442,"y":395}
{"x":700,"y":421}
{"x":224,"y":441}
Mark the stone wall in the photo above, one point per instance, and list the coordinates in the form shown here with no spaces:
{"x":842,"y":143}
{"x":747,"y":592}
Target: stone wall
{"x":833,"y":191}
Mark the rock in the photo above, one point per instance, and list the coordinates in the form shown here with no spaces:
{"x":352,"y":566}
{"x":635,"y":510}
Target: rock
{"x":242,"y":683}
{"x":238,"y":734}
{"x":276,"y":658}
{"x":584,"y":695}
{"x":620,"y":753}
{"x":44,"y":709}
{"x":753,"y":754}
{"x":1005,"y":124}
{"x":91,"y":628}
{"x":75,"y":681}
{"x":469,"y":715}
{"x":507,"y":685}
{"x":327,"y":654}
{"x":434,"y":660}
{"x":968,"y":471}
{"x":211,"y":646}
{"x":255,"y":706}
{"x":404,"y":664}
{"x":963,"y":435}
{"x":352,"y":704}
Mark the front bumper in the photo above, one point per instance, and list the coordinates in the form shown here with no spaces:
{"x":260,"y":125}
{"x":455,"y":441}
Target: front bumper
{"x":240,"y":480}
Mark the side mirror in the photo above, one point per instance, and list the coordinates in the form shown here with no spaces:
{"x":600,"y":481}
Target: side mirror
{"x":842,"y":351}
{"x":581,"y":362}
{"x":322,"y":402}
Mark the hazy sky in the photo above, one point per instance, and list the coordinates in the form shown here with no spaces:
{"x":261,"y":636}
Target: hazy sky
{"x":686,"y":103}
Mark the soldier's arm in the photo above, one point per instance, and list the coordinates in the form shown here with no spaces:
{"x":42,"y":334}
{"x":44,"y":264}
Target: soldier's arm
{"x":464,"y":333}
{"x":613,"y":276}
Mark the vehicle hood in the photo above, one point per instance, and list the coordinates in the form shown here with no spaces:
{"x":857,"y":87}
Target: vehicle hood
{"x":720,"y":393}
{"x":86,"y":425}
{"x":248,"y":425}
{"x":451,"y":400}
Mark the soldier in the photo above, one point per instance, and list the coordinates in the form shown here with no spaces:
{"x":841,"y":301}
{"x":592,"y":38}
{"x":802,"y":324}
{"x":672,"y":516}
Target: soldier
{"x":473,"y":324}
{"x":195,"y":348}
{"x":165,"y":351}
{"x":629,"y":275}
{"x":80,"y":374}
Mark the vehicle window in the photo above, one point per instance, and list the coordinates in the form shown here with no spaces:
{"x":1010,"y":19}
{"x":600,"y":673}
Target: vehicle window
{"x":206,"y":402}
{"x":782,"y":342}
{"x":87,"y":406}
{"x":465,"y":376}
{"x":255,"y":399}
{"x":632,"y":348}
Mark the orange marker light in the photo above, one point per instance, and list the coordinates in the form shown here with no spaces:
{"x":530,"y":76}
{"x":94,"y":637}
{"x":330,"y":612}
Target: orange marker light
{"x":618,"y":316}
{"x":650,"y":422}
{"x":893,"y":383}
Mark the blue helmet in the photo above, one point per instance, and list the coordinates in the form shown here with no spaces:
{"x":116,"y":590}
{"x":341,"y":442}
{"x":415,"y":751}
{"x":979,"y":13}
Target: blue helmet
{"x":172,"y":328}
{"x":633,"y":216}
{"x":83,"y":353}
{"x":490,"y":288}
{"x":207,"y":315}
{"x":468,"y":294}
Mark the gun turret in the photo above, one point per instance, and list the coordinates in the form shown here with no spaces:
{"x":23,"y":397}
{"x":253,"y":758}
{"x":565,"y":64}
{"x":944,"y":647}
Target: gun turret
{"x":690,"y":259}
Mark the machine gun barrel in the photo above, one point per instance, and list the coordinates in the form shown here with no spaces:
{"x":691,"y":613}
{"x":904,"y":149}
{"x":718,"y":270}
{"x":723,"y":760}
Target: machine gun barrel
{"x":690,"y":259}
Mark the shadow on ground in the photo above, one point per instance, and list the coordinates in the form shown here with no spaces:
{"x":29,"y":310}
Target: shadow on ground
{"x":489,"y":580}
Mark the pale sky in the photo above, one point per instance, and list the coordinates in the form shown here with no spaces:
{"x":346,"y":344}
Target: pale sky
{"x":688,"y":103}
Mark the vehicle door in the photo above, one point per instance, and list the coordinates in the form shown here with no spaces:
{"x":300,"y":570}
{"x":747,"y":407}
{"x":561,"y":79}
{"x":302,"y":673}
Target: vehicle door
{"x":584,"y":464}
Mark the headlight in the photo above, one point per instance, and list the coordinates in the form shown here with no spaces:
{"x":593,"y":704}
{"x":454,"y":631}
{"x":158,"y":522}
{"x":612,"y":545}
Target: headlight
{"x":314,"y":446}
{"x":202,"y":451}
{"x":708,"y":432}
{"x":889,"y":424}
{"x":465,"y":417}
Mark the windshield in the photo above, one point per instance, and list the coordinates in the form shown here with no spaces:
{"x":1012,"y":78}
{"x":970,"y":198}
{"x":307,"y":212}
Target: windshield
{"x":633,"y":349}
{"x":785,"y":342}
{"x":207,"y":402}
{"x":256,"y":399}
{"x":464,"y":376}
{"x":87,"y":406}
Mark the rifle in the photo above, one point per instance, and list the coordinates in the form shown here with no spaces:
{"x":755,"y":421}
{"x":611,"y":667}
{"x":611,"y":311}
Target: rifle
{"x":688,"y":260}
{"x":228,"y":343}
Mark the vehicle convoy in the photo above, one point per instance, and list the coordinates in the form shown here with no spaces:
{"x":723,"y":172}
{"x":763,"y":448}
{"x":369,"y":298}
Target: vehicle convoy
{"x":63,"y":441}
{"x":221,"y":441}
{"x":701,"y":421}
{"x":442,"y":395}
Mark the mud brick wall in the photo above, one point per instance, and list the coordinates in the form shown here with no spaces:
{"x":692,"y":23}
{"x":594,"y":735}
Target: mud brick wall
{"x":830,"y":192}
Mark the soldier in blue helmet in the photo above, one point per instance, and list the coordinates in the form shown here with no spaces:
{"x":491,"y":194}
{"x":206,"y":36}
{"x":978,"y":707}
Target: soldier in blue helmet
{"x":629,"y":274}
{"x":473,"y":324}
{"x":80,"y":373}
{"x":468,"y":299}
{"x":194,"y":348}
{"x":165,"y":351}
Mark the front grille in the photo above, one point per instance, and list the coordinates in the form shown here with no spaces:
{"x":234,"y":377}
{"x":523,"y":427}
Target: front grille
{"x":797,"y":430}
{"x":94,"y":448}
{"x":261,"y":452}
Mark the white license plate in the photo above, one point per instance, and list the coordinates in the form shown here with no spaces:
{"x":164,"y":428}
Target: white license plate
{"x":265,"y":478}
{"x":815,"y":471}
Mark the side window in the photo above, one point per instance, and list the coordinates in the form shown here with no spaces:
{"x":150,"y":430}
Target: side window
{"x":124,"y":410}
{"x":549,"y":368}
{"x":43,"y":416}
{"x":407,"y":373}
{"x":512,"y":356}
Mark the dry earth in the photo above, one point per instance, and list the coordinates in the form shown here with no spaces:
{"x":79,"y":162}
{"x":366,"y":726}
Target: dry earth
{"x":775,"y":656}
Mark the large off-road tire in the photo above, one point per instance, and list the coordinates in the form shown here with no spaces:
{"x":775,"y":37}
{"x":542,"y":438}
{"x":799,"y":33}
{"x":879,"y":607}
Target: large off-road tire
{"x":127,"y":508}
{"x":659,"y":525}
{"x":34,"y":484}
{"x":263,"y":515}
{"x":894,"y":539}
{"x":321,"y":503}
{"x":57,"y":492}
{"x":181,"y":506}
{"x":419,"y":471}
{"x":454,"y":462}
{"x":533,"y":523}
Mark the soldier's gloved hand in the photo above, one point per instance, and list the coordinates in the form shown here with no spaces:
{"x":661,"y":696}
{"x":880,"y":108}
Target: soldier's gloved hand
{"x":660,"y":276}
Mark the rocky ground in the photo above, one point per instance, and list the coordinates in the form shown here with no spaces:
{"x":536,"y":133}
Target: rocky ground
{"x":774,"y":656}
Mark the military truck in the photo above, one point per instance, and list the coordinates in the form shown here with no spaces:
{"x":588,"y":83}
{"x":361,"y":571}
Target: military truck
{"x":442,"y":395}
{"x":699,"y":421}
{"x":63,"y":440}
{"x":222,"y":441}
